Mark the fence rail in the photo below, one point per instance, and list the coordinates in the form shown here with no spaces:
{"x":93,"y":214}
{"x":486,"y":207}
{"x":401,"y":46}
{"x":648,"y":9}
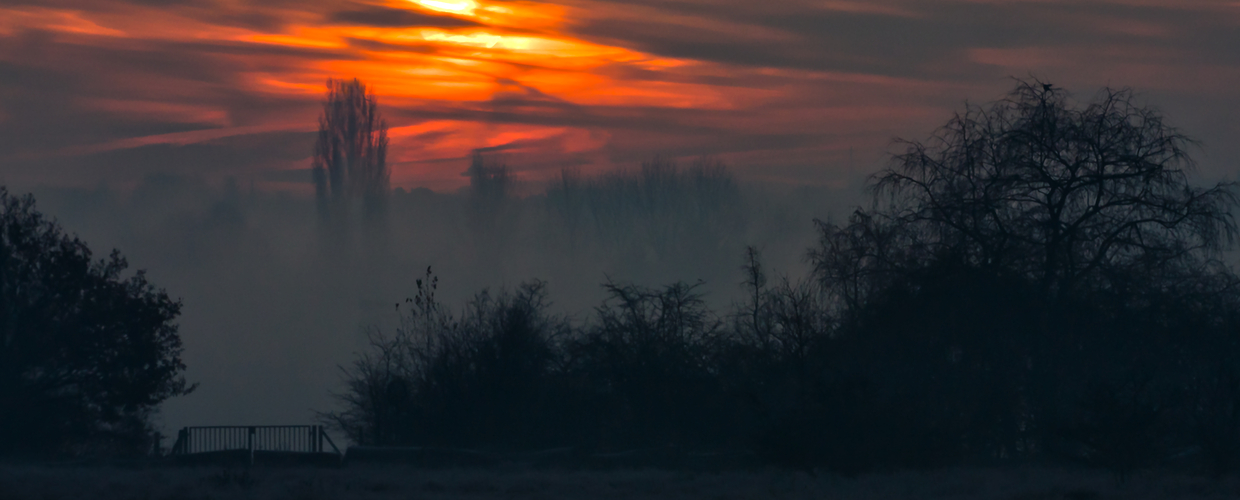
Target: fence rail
{"x":261,"y":438}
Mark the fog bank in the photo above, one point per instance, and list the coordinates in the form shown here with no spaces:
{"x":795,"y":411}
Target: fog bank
{"x":276,"y":298}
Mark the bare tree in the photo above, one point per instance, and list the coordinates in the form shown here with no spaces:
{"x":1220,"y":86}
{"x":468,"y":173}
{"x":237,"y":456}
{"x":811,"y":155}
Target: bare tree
{"x":1052,"y":267}
{"x":350,"y":155}
{"x":1060,"y":193}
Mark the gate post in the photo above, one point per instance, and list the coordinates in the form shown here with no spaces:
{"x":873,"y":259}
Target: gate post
{"x":250,"y":445}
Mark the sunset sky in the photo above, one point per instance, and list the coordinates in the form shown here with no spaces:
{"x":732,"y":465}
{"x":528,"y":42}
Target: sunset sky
{"x":106,"y":92}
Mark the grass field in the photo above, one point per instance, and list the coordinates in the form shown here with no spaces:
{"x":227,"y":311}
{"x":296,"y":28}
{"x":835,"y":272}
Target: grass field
{"x":27,"y":482}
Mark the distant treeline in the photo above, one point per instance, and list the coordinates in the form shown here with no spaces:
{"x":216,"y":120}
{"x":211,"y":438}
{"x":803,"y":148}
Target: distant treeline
{"x":1037,"y":282}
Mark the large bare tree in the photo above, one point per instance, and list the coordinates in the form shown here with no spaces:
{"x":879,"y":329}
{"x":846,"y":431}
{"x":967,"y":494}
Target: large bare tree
{"x":1060,"y":192}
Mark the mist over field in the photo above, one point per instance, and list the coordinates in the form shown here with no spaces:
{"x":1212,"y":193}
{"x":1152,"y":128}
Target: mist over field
{"x":274,"y":300}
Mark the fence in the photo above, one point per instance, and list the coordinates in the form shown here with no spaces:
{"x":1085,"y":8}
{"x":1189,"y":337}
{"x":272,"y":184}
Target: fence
{"x":261,"y":438}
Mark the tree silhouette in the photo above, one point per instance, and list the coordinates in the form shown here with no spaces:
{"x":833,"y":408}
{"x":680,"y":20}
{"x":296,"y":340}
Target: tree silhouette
{"x":490,"y":187}
{"x":656,"y":217}
{"x":1065,"y":195}
{"x":87,"y":353}
{"x":350,"y":154}
{"x":1022,"y":269}
{"x":1040,"y":281}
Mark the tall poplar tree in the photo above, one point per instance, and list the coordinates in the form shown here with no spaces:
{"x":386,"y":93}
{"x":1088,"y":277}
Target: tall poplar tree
{"x":350,"y":154}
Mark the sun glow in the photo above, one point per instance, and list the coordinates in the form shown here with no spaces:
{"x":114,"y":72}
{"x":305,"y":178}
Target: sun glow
{"x":479,"y":39}
{"x":463,"y":7}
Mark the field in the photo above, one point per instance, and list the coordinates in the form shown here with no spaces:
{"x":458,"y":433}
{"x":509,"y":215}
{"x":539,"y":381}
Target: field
{"x":29,"y":482}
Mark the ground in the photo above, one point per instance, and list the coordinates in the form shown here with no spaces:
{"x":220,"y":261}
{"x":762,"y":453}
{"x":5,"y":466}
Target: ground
{"x":147,"y":482}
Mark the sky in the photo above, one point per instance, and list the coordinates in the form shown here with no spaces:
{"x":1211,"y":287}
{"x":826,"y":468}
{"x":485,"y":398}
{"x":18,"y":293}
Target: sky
{"x":108,"y":92}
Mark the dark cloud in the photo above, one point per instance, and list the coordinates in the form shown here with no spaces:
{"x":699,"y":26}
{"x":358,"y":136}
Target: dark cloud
{"x":703,"y":44}
{"x":249,"y":156}
{"x":397,"y":18}
{"x":53,"y":113}
{"x":933,"y":40}
{"x":71,"y":98}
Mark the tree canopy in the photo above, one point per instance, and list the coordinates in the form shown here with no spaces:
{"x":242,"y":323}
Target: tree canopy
{"x":1038,"y":185}
{"x":1041,"y":277}
{"x":87,"y":352}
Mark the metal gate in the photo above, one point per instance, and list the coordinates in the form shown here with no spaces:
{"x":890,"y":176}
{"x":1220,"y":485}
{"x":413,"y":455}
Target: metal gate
{"x":278,"y":438}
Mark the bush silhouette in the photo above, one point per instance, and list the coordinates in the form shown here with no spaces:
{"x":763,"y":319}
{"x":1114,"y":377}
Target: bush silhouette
{"x":477,"y":379}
